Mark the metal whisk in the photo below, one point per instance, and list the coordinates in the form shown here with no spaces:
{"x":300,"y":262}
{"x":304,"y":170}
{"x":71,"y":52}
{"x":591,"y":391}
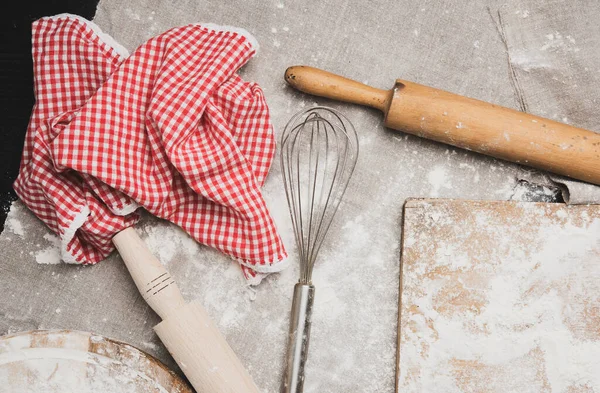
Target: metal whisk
{"x":319,"y":150}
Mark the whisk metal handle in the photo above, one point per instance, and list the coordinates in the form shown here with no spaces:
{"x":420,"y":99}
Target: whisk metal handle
{"x":299,"y":334}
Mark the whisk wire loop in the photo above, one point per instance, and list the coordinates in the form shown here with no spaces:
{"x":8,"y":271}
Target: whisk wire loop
{"x":319,"y":150}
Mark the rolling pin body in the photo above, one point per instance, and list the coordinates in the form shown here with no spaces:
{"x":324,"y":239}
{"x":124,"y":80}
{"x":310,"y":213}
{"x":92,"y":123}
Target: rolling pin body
{"x":466,"y":123}
{"x":187,"y":331}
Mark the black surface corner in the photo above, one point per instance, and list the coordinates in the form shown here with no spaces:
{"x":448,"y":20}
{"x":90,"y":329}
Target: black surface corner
{"x":16,"y":74}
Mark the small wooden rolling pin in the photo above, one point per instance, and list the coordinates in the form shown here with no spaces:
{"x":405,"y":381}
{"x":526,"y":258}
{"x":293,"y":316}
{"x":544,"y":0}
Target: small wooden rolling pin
{"x":187,"y":331}
{"x":465,"y":122}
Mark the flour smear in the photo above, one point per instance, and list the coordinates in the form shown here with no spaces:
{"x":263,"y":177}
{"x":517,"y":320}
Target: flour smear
{"x":51,"y":254}
{"x":438,"y":179}
{"x":485,"y":312}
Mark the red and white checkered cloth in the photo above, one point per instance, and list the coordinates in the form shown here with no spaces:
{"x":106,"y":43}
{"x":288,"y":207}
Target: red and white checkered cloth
{"x":171,"y":128}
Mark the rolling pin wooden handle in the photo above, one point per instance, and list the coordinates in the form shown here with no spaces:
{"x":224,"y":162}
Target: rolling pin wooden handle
{"x":325,"y":84}
{"x":154,"y":282}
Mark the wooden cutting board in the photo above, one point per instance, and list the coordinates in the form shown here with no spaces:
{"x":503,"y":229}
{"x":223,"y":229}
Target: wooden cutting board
{"x":66,"y":361}
{"x":499,"y":297}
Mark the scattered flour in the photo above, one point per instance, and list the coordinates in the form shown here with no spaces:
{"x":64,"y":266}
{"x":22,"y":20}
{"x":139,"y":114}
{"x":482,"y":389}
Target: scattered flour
{"x":526,"y":320}
{"x":51,"y":254}
{"x":542,"y":57}
{"x":529,"y":60}
{"x":438,"y":179}
{"x":557,"y":42}
{"x":166,"y":241}
{"x":464,"y":165}
{"x":132,"y":15}
{"x":13,"y":222}
{"x":15,"y":226}
{"x":150,"y":345}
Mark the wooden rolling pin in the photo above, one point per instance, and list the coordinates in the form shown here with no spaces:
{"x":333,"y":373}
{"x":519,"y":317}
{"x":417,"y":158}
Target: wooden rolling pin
{"x":187,"y":331}
{"x":465,"y":122}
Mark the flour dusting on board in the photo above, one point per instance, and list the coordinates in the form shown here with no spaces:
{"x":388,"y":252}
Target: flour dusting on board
{"x":485,"y":312}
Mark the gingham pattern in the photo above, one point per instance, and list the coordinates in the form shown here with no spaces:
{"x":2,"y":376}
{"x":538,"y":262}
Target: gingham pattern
{"x":171,"y":128}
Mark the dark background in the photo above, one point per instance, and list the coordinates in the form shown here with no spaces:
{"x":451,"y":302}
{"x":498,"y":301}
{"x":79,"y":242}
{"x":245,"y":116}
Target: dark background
{"x":16,"y":76}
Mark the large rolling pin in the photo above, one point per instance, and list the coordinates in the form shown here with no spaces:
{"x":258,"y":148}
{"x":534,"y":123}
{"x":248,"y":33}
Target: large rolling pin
{"x":186,"y":329}
{"x":465,"y":122}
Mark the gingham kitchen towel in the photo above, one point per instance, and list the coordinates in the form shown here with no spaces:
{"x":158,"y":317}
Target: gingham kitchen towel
{"x":171,"y":128}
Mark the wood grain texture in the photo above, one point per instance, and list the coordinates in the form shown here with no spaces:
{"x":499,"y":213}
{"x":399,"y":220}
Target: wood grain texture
{"x":466,"y":123}
{"x":494,"y":130}
{"x":499,"y":296}
{"x":68,"y":361}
